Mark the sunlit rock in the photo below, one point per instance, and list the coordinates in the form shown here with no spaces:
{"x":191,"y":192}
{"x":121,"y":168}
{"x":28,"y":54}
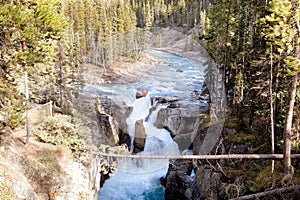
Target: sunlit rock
{"x":141,"y":93}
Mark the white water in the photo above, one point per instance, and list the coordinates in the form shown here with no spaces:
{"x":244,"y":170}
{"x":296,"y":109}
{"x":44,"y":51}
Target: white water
{"x":136,"y":178}
{"x":140,"y":178}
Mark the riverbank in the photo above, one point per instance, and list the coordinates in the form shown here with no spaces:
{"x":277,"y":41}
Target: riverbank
{"x":179,"y":43}
{"x":121,"y":71}
{"x":124,"y":70}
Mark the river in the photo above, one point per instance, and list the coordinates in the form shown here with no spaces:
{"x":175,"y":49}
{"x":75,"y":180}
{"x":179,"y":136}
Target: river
{"x":175,"y":77}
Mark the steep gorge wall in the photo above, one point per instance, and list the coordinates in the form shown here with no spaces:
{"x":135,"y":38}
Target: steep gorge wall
{"x":43,"y":171}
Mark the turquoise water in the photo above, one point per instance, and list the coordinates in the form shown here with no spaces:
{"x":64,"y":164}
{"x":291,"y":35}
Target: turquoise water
{"x":157,"y":193}
{"x":131,"y":186}
{"x":139,"y":179}
{"x":142,"y":181}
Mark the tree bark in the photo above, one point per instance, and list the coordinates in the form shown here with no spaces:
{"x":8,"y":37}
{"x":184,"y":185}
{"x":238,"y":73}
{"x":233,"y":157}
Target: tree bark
{"x":272,"y":109}
{"x":288,"y":125}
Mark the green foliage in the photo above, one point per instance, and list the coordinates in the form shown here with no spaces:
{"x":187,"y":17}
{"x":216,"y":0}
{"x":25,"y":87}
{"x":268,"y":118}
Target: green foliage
{"x":246,"y":39}
{"x":6,"y":191}
{"x":280,"y":31}
{"x":96,"y":21}
{"x":232,"y":191}
{"x":253,"y":176}
{"x":34,"y":25}
{"x":242,"y":138}
{"x":29,"y":33}
{"x":66,"y":131}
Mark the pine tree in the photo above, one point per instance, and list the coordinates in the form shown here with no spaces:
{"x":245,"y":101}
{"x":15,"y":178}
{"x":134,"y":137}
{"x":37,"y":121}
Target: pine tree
{"x":30,"y":33}
{"x":148,"y":15}
{"x":281,"y":31}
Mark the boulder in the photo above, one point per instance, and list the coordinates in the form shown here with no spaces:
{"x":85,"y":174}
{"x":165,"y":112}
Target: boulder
{"x":181,"y":123}
{"x":209,"y":182}
{"x":179,"y":183}
{"x":140,"y":136}
{"x":141,"y":93}
{"x":165,"y":99}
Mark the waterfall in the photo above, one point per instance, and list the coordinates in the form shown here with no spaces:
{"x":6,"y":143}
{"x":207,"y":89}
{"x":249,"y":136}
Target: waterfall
{"x":140,"y":178}
{"x":140,"y":110}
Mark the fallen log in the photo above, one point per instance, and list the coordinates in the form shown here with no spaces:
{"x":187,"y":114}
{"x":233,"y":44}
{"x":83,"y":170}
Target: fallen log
{"x":203,"y":157}
{"x":269,"y":192}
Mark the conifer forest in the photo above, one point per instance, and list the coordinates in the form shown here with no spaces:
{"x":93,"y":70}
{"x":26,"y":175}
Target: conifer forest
{"x":254,"y":43}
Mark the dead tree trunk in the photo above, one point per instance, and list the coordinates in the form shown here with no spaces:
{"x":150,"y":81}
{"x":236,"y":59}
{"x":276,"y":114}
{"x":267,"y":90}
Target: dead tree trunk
{"x":288,"y":125}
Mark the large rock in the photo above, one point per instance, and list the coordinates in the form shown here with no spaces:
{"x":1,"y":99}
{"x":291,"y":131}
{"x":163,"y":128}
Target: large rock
{"x":120,"y":113}
{"x":108,"y":126}
{"x":141,"y":93}
{"x":182,"y":122}
{"x":179,"y":183}
{"x":140,"y":136}
{"x":209,"y":182}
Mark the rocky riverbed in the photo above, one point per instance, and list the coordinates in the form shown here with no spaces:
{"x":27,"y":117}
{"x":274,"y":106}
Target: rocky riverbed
{"x":182,"y":116}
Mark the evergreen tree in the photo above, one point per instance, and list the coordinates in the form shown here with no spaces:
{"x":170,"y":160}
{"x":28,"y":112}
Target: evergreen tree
{"x":30,"y":33}
{"x":281,"y":32}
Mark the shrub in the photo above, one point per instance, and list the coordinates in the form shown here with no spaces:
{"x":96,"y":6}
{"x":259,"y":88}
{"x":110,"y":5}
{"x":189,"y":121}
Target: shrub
{"x":66,"y":131}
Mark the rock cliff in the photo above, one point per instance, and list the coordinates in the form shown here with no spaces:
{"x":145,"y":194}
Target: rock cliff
{"x":43,"y":171}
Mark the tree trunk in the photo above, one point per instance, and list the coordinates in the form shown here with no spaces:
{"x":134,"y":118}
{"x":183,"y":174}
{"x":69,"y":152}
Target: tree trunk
{"x":288,"y":125}
{"x":271,"y":109}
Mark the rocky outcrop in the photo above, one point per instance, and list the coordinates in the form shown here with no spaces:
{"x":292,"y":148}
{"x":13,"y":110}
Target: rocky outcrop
{"x":118,"y":113}
{"x":164,"y":99}
{"x":40,"y":171}
{"x":108,"y":126}
{"x":82,"y":180}
{"x":180,"y":183}
{"x":182,"y":121}
{"x":209,"y":182}
{"x":140,"y":137}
